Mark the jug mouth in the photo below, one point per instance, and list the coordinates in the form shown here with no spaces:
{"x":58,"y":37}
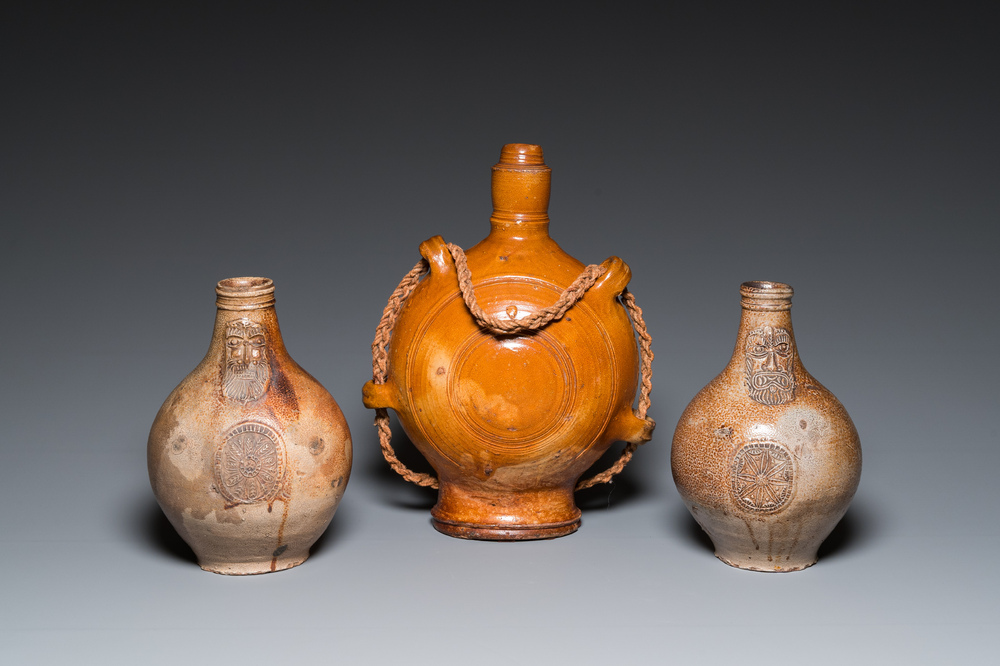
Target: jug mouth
{"x":244,"y":293}
{"x":766,"y":295}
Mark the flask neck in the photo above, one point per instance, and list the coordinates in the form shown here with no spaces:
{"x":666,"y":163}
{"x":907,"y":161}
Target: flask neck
{"x":520,"y":185}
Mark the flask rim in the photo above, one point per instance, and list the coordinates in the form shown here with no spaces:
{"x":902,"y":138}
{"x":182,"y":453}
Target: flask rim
{"x":524,"y":157}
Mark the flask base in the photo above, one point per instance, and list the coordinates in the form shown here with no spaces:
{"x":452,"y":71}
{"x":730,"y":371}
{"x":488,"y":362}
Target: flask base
{"x":503,"y":514}
{"x":505,"y":532}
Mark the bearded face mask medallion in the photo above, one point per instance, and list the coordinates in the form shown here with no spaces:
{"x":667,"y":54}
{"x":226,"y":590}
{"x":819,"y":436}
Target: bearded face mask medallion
{"x":247,"y":370}
{"x":770,"y":379}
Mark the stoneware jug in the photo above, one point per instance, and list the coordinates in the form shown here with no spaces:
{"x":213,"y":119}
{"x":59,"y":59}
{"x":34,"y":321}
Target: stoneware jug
{"x":765,"y":458}
{"x":512,"y":368}
{"x":249,"y":456}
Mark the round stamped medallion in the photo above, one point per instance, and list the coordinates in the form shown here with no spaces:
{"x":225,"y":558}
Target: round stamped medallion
{"x":517,"y":396}
{"x":512,"y":392}
{"x":762,"y":476}
{"x":250,"y":464}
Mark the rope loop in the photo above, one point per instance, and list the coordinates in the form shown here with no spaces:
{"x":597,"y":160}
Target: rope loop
{"x":569,"y":297}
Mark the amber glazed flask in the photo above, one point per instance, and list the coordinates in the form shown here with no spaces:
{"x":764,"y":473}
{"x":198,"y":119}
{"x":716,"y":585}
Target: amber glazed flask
{"x":508,"y":417}
{"x":249,"y":456}
{"x":765,"y":458}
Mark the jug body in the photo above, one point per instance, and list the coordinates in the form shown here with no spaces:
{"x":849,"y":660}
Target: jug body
{"x":765,"y":457}
{"x":249,"y":456}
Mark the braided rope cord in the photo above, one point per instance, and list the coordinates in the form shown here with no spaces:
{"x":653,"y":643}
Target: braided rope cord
{"x":534,"y":322}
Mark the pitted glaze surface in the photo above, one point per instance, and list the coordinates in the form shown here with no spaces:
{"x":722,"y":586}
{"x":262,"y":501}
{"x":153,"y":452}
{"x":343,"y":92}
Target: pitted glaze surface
{"x":765,"y":458}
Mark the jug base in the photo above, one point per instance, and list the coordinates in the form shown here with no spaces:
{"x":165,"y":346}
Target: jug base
{"x":767,"y":567}
{"x":255,"y":567}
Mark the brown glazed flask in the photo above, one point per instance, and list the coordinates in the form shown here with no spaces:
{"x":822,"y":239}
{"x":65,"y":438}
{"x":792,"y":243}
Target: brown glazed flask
{"x":249,"y":456}
{"x":510,"y":422}
{"x":765,"y":458}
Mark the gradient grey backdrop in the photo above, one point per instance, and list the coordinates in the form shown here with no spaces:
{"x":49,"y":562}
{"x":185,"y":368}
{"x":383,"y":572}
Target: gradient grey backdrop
{"x":147,"y":153}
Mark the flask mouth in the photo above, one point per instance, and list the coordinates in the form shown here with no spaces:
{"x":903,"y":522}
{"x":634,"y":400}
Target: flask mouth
{"x":518,"y":156}
{"x":520,"y":186}
{"x":244,"y":293}
{"x":766,"y":295}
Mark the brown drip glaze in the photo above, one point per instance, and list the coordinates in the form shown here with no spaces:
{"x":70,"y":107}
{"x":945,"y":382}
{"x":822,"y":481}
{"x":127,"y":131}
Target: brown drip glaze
{"x":236,"y":436}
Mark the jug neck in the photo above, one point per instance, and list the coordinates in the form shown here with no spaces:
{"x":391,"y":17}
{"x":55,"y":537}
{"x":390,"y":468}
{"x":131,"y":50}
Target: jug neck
{"x":765,"y":355}
{"x":246,"y":337}
{"x":520,"y":185}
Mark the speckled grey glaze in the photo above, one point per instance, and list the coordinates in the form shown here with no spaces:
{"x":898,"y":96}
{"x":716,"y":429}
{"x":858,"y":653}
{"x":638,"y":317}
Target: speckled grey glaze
{"x":765,"y":458}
